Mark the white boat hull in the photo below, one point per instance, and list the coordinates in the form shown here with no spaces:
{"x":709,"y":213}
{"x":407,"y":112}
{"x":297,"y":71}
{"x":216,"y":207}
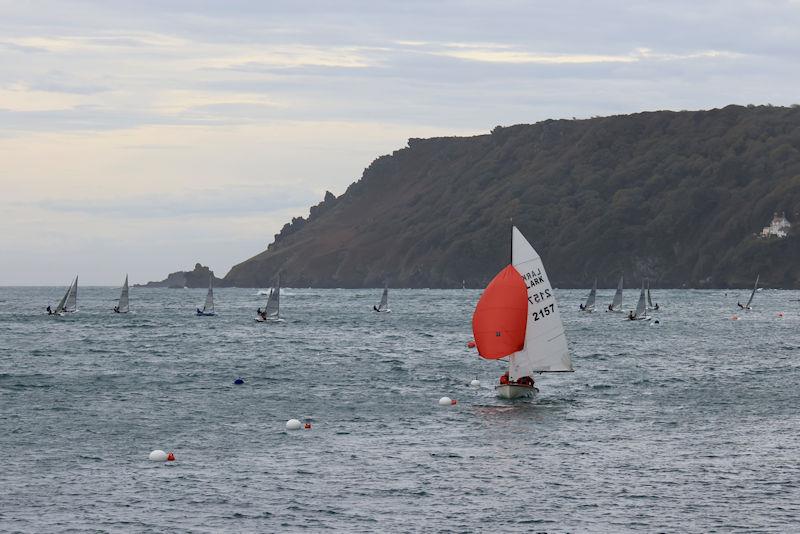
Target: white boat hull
{"x":513,"y":391}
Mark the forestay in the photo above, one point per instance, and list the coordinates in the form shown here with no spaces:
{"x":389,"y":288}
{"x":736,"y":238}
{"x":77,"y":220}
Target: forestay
{"x":545,"y":348}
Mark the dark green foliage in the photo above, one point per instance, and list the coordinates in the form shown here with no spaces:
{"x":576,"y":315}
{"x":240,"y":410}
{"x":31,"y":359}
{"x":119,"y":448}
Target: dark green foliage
{"x":676,"y":197}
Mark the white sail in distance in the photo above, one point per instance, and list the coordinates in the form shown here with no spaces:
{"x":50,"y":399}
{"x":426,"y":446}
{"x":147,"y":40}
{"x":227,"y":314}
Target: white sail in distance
{"x":208,"y":307}
{"x":617,"y":303}
{"x":590,"y":300}
{"x":71,"y":304}
{"x":545,"y":347}
{"x":641,"y":306}
{"x":273,"y":308}
{"x":123,"y":305}
{"x":63,"y":301}
{"x":384,"y":305}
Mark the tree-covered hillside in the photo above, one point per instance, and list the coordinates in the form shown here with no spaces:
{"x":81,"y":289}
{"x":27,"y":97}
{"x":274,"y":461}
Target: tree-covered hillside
{"x":676,"y":197}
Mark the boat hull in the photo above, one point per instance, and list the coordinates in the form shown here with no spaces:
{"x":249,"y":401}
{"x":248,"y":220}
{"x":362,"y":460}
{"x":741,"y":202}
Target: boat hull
{"x":205,"y":314}
{"x":514,"y":391}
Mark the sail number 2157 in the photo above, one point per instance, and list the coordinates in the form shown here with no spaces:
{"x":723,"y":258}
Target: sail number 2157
{"x":544,"y":312}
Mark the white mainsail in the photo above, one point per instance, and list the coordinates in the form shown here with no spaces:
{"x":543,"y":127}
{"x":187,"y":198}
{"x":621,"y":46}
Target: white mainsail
{"x":649,"y":299}
{"x":755,"y":287}
{"x":641,"y":306}
{"x":590,"y":300}
{"x":62,"y":303}
{"x":545,"y":348}
{"x":208,"y":307}
{"x":123,"y":306}
{"x":72,"y":298}
{"x":273,"y":308}
{"x":384,"y":305}
{"x":617,"y":303}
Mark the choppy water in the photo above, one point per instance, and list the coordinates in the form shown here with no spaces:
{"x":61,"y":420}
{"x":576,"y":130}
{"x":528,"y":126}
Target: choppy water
{"x":689,"y":426}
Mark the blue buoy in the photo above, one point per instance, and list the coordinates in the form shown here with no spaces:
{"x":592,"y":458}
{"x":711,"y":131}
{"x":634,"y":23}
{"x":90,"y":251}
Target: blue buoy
{"x":238,"y":381}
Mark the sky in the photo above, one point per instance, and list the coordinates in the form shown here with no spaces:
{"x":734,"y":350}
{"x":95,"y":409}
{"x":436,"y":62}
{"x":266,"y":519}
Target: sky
{"x":143,"y":137}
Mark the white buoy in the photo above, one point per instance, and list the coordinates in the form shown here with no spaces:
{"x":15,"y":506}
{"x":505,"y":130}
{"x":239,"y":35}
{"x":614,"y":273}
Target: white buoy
{"x":293,"y":424}
{"x":475,"y":383}
{"x":445,"y":401}
{"x":158,"y":456}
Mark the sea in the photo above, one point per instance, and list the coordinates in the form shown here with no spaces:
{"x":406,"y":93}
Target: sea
{"x":688,"y":425}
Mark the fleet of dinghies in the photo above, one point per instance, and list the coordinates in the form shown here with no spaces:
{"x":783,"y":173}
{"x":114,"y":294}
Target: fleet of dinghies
{"x":516,"y":319}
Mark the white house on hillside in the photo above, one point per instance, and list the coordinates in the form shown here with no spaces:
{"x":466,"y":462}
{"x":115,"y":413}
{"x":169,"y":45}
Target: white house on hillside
{"x":779,"y":226}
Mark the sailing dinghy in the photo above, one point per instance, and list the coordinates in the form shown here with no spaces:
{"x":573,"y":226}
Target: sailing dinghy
{"x":589,"y":305}
{"x":752,"y":294}
{"x":517,"y":317}
{"x":641,"y":308}
{"x":616,"y":305}
{"x":272,"y":311}
{"x":384,"y":305}
{"x":123,"y":305}
{"x":208,"y":307}
{"x":69,"y":302}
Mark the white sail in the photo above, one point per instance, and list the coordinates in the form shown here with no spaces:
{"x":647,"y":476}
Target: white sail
{"x":123,"y":306}
{"x":617,"y":303}
{"x":545,"y":347}
{"x":273,"y":308}
{"x":755,"y":287}
{"x":63,"y":301}
{"x":72,"y":297}
{"x":208,"y":307}
{"x":590,"y":300}
{"x":641,"y":306}
{"x":384,"y":305}
{"x":649,"y":299}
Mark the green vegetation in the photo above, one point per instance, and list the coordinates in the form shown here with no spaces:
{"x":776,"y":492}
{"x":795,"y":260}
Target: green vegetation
{"x":675,"y":197}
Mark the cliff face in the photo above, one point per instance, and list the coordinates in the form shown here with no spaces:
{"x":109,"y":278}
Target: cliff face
{"x":676,"y":197}
{"x":196,"y":278}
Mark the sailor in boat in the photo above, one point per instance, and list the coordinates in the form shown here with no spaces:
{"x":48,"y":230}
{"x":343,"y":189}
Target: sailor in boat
{"x":374,"y":307}
{"x":523,"y":381}
{"x":582,"y":307}
{"x":740,"y":305}
{"x":656,"y":306}
{"x":49,"y":311}
{"x":116,"y":309}
{"x":610,"y":307}
{"x":199,"y":311}
{"x":262,"y":313}
{"x":631,"y":315}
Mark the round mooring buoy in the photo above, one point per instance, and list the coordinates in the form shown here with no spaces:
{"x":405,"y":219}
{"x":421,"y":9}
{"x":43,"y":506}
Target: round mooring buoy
{"x":293,"y":424}
{"x":239,"y":381}
{"x":447,"y":401}
{"x":475,"y":383}
{"x":158,"y":456}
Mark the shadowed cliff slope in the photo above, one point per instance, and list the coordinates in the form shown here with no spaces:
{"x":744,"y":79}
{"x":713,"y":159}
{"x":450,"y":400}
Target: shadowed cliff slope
{"x":675,"y":197}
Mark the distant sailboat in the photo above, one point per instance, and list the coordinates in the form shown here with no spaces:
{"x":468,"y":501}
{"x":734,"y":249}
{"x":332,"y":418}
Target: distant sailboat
{"x":641,"y":308}
{"x":590,"y":300}
{"x":384,"y":305}
{"x":616,"y":305}
{"x":123,"y":305}
{"x":208,"y":307}
{"x":752,"y":294}
{"x":650,"y":300}
{"x":272,"y":311}
{"x":517,"y":317}
{"x":69,"y":302}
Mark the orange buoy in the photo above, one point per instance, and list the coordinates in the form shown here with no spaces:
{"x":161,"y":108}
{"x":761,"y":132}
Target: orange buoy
{"x":453,"y":402}
{"x":170,"y":457}
{"x":471,"y":344}
{"x":734,"y":318}
{"x":307,"y":426}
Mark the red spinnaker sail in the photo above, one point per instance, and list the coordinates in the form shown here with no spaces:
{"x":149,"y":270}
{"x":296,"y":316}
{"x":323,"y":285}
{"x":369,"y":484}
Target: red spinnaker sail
{"x":498,"y":323}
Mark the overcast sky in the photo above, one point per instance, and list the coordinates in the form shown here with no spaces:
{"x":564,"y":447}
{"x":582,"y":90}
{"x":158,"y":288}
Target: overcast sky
{"x":145,"y":136}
